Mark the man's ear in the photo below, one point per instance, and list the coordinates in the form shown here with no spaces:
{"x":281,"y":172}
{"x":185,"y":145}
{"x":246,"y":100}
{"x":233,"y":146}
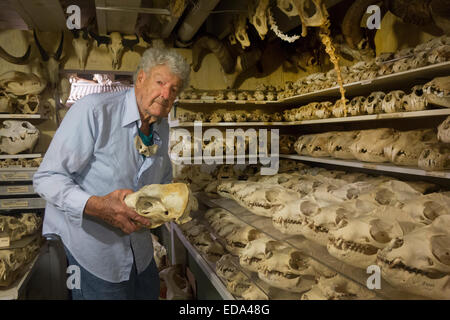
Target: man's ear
{"x":140,"y":78}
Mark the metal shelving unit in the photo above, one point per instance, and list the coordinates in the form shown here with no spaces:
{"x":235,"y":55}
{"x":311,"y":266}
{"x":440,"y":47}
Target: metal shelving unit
{"x":314,"y":250}
{"x":404,"y":81}
{"x":386,"y":167}
{"x":369,"y":117}
{"x":20,"y":156}
{"x":207,"y":267}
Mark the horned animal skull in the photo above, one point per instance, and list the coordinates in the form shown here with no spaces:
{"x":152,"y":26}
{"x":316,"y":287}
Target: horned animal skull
{"x":240,"y":26}
{"x":51,"y":62}
{"x":81,"y":45}
{"x":18,"y":136}
{"x":163,"y":203}
{"x":259,"y":16}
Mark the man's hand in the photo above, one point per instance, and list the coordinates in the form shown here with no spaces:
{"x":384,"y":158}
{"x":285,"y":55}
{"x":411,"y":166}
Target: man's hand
{"x":112,"y":209}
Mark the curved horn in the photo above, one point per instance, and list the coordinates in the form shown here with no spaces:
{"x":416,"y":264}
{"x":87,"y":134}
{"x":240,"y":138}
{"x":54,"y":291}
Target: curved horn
{"x":85,"y":33}
{"x":100,"y":39}
{"x":43,"y":53}
{"x":414,"y":12}
{"x":76,"y":33}
{"x":351,"y":24}
{"x":206,"y":44}
{"x":60,"y":47}
{"x":16,"y":60}
{"x":130,"y":43}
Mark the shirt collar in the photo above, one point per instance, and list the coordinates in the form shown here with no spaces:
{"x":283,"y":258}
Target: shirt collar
{"x":131,"y":113}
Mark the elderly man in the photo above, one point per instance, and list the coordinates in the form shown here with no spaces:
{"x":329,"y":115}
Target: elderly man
{"x":92,"y":163}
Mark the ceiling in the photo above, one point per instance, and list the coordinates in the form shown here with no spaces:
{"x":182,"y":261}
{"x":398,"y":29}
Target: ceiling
{"x":175,"y":21}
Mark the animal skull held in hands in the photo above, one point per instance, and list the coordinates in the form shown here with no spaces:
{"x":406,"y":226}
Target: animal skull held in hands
{"x":163,"y":203}
{"x":18,"y":136}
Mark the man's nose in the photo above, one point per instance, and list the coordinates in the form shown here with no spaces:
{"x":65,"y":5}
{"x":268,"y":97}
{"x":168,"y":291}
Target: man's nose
{"x":165,"y":93}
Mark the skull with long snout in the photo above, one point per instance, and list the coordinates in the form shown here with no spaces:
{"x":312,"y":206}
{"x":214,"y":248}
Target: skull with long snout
{"x":162,"y":203}
{"x":18,"y":136}
{"x":419,"y":262}
{"x":288,"y":269}
{"x":359,"y":239}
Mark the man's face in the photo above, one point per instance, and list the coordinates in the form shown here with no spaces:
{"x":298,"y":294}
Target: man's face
{"x":156,"y":91}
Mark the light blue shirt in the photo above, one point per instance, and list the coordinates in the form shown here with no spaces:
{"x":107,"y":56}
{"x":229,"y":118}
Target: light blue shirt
{"x":93,"y":153}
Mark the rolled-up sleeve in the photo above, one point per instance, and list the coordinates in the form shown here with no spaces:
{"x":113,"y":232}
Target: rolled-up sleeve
{"x":68,"y":154}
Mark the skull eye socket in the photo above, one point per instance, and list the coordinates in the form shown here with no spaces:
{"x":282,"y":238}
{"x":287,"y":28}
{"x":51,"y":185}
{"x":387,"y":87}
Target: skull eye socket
{"x":289,"y":7}
{"x":440,"y":247}
{"x":432,"y":210}
{"x":397,"y":243}
{"x":384,"y":196}
{"x":308,"y":208}
{"x":296,"y":262}
{"x":380,"y":231}
{"x":418,"y":92}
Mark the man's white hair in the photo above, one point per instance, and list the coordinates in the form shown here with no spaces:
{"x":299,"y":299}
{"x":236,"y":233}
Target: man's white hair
{"x":153,"y":57}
